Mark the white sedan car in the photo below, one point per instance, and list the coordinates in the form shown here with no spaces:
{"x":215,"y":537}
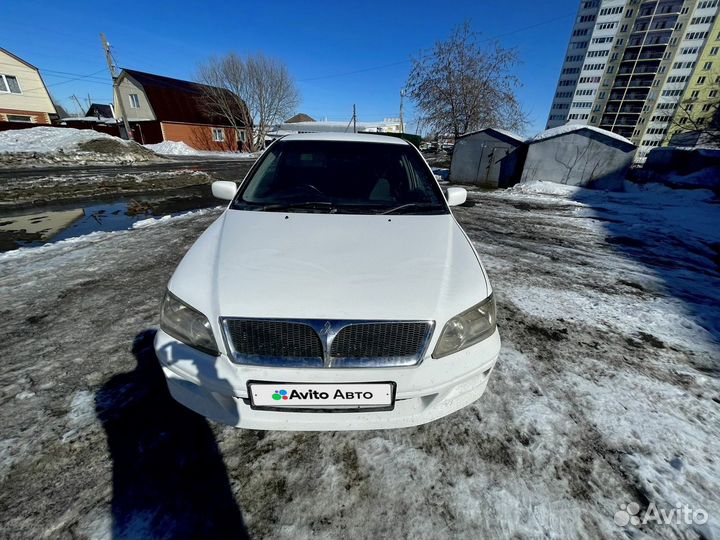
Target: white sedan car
{"x":336,"y":292}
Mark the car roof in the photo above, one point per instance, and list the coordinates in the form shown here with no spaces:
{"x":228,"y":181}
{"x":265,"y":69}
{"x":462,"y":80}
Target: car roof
{"x":348,"y":137}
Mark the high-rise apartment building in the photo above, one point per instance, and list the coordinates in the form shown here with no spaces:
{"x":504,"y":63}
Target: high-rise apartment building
{"x":630,"y":63}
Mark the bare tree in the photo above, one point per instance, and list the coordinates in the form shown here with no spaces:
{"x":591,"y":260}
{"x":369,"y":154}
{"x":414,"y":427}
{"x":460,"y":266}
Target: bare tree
{"x":460,"y":86}
{"x":261,"y":87}
{"x":224,"y":83}
{"x":701,"y":116}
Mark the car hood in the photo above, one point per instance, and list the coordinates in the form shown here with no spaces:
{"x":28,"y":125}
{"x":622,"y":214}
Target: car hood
{"x":331,"y":266}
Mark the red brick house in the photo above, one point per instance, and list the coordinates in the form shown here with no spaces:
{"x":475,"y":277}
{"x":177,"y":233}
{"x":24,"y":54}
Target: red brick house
{"x":164,"y":109}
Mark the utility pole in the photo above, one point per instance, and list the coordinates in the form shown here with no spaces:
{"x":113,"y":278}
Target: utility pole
{"x":77,"y":102}
{"x":402,"y":125}
{"x":116,"y":90}
{"x":354,"y":120}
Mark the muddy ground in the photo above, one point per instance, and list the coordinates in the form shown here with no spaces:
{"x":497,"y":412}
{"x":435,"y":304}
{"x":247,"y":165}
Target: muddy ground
{"x":26,"y":188}
{"x":606,"y":393}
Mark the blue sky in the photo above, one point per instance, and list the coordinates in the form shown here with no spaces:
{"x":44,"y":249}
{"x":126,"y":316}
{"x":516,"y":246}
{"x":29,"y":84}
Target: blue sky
{"x":329,"y":47}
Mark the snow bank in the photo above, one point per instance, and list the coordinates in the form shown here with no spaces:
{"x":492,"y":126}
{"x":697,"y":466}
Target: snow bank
{"x":42,"y":146}
{"x":46,"y":140}
{"x":164,"y":219}
{"x":546,"y":188}
{"x":179,"y":148}
{"x":659,"y":194}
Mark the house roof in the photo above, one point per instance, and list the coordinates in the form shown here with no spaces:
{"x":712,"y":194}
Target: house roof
{"x":101,"y":110}
{"x":28,"y":64}
{"x":345,"y":137}
{"x":299,"y":117}
{"x":503,"y":132}
{"x":570,"y":128}
{"x":175,"y":100}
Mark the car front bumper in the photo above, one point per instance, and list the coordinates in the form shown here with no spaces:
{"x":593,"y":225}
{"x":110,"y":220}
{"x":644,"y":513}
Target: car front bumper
{"x":216,"y":388}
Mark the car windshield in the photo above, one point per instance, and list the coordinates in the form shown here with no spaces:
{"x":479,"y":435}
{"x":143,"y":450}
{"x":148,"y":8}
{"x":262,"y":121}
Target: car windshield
{"x":341,"y":177}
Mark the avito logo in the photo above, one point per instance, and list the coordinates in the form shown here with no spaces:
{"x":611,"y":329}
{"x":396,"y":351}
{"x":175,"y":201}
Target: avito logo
{"x":314,"y":394}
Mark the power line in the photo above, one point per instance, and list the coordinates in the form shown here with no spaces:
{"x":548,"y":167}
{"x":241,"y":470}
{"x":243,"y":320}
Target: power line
{"x":64,"y":82}
{"x":530,"y":27}
{"x":354,"y":72}
{"x":400,"y":62}
{"x":62,"y":74}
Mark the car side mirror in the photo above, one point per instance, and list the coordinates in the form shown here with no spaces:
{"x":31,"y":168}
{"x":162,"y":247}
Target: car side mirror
{"x":455,"y":196}
{"x":224,"y":190}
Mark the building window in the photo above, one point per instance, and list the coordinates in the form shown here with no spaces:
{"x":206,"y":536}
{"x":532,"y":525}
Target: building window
{"x":714,"y":51}
{"x":218,"y":134}
{"x":19,"y":118}
{"x":9,"y":84}
{"x":702,"y":20}
{"x":695,"y":94}
{"x":134,"y":101}
{"x":707,"y":66}
{"x":713,"y":93}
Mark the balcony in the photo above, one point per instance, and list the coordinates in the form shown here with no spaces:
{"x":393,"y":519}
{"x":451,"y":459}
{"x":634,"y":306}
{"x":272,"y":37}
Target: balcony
{"x":633,"y":83}
{"x":624,"y":109}
{"x":637,"y":70}
{"x":649,"y":52}
{"x":627,"y":120}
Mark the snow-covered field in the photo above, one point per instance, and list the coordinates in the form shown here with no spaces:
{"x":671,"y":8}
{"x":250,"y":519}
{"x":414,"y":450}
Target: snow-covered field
{"x":45,"y":145}
{"x":177,"y":148}
{"x":606,"y":394}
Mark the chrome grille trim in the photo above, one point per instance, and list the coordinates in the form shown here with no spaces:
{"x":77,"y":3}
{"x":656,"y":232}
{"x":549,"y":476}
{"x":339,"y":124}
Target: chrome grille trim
{"x":344,"y":343}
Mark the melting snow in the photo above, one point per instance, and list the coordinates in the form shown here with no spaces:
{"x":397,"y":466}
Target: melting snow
{"x":605,"y":393}
{"x":45,"y":140}
{"x":178,"y":148}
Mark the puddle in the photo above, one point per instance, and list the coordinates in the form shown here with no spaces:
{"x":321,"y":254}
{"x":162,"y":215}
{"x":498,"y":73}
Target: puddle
{"x":52,"y":223}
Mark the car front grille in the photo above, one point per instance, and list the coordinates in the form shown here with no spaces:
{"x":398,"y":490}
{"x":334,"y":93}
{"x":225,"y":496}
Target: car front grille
{"x":274,"y":339}
{"x":379,"y":340}
{"x":326,"y":343}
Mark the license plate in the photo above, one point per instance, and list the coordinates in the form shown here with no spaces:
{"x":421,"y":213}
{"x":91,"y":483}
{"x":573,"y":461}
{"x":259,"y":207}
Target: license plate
{"x":275,"y":395}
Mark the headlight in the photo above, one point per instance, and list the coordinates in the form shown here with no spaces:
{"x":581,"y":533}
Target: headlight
{"x":468,"y":328}
{"x":187,"y":325}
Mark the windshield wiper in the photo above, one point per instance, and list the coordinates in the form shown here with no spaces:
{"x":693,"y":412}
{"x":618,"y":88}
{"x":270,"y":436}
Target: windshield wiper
{"x":313,"y":205}
{"x":412,"y":206}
